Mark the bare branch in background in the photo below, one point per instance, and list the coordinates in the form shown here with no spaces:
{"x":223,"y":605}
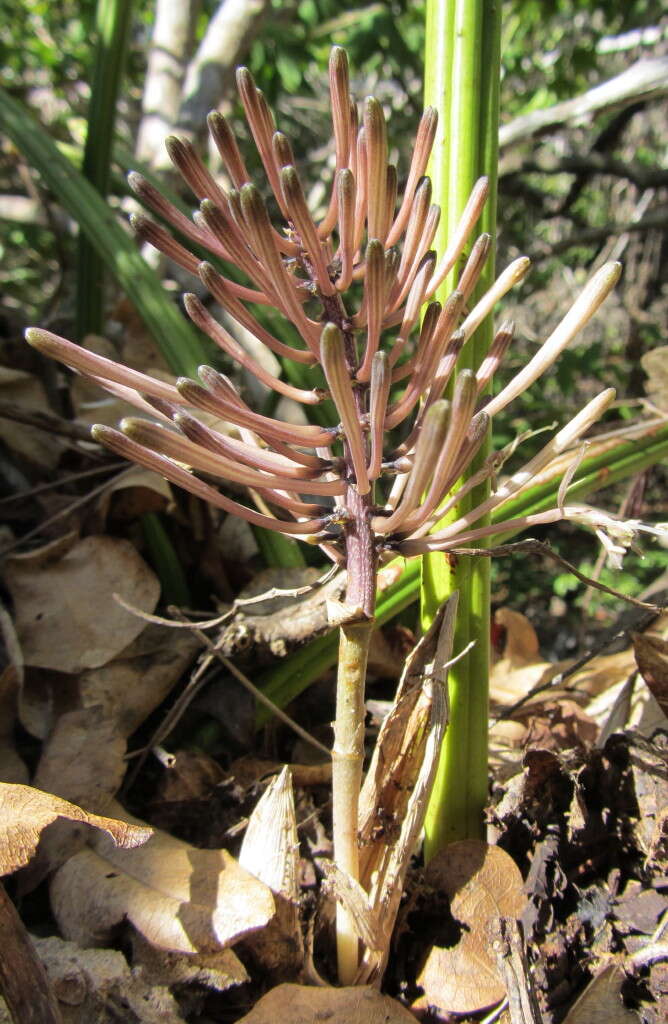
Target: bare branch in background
{"x":171,"y":45}
{"x":644,"y":80}
{"x":210,"y":74}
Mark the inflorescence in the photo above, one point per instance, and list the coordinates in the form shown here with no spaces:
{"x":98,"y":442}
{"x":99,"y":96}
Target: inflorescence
{"x":358,"y":288}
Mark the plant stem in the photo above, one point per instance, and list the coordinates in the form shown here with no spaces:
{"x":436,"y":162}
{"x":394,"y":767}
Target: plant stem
{"x":462,"y":69}
{"x":347,"y":760}
{"x":357,"y":624}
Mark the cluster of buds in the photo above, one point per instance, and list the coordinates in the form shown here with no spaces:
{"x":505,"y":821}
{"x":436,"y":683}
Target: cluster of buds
{"x":358,"y":287}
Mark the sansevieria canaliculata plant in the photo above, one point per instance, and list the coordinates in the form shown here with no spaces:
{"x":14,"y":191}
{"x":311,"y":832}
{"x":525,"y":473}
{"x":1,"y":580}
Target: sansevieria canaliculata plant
{"x":357,"y":285}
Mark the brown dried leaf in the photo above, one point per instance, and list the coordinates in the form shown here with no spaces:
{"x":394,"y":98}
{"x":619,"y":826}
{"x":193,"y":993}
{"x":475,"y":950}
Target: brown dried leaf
{"x":559,"y":725}
{"x":639,"y":909}
{"x":483,"y":883}
{"x":39,"y":447}
{"x":128,"y":688}
{"x":134,"y":493}
{"x":178,"y":897}
{"x":301,"y":1005}
{"x":520,"y":646}
{"x":648,"y":765}
{"x":601,"y":1001}
{"x":82,"y":759}
{"x":131,"y":686}
{"x":218,"y":971}
{"x":25,"y":812}
{"x":651,"y":654}
{"x":66,"y":618}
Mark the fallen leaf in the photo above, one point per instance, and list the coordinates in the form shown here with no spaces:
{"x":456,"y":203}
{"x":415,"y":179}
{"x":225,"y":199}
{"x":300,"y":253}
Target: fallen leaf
{"x":137,"y":681}
{"x":132,"y":494}
{"x":648,"y":766}
{"x":89,"y":402}
{"x":82,"y":759}
{"x":218,"y":971}
{"x":128,"y":688}
{"x":559,"y":725}
{"x":639,"y":909}
{"x":520,"y":641}
{"x":178,"y":897}
{"x":482,"y":883}
{"x":301,"y":1005}
{"x":651,"y":653}
{"x":39,"y":447}
{"x":601,"y":1001}
{"x":66,"y":618}
{"x":12,"y":767}
{"x":25,"y":812}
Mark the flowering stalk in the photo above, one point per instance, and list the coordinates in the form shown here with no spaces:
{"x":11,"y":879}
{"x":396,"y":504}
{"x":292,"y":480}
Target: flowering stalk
{"x":352,"y":284}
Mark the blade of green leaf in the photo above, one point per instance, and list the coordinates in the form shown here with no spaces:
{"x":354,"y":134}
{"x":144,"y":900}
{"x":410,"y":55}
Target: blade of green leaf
{"x":165,"y":561}
{"x":113,"y":20}
{"x":279,"y":552}
{"x":178,"y":342}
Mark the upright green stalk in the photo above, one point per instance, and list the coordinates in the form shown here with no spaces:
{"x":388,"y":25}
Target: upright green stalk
{"x":112,"y":24}
{"x":462,"y":63}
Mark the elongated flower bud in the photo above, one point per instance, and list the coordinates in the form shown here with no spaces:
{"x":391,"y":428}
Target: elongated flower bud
{"x":579,"y":315}
{"x":226,"y":144}
{"x":379,"y":394}
{"x":129,"y":449}
{"x":428,"y":447}
{"x":333,"y":359}
{"x":376,"y":147}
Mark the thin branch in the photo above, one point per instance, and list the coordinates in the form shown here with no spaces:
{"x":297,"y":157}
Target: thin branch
{"x":646,"y":79}
{"x":530,"y":546}
{"x":657,"y":220}
{"x":598,"y":163}
{"x":245,"y":682}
